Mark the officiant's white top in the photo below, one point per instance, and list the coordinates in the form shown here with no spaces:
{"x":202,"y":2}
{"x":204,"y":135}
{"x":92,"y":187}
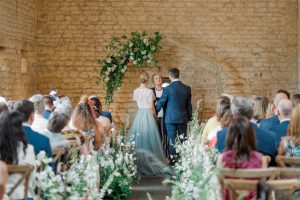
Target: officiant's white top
{"x":143,"y":97}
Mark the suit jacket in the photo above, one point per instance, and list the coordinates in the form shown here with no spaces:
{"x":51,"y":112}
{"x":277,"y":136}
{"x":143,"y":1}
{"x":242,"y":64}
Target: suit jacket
{"x":38,"y":141}
{"x":269,"y":123}
{"x":265,"y":141}
{"x":177,"y":100}
{"x":280,"y":131}
{"x":108,"y":115}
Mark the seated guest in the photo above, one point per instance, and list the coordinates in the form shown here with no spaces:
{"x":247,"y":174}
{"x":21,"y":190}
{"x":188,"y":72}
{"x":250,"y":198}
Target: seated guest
{"x":98,"y":112}
{"x":49,"y":106}
{"x":226,"y":118}
{"x":39,"y":121}
{"x":84,"y":119}
{"x":3,"y":178}
{"x":259,"y":109}
{"x":265,"y":140}
{"x":10,"y":105}
{"x":284,"y":92}
{"x":38,"y":141}
{"x":296,"y":99}
{"x":57,"y":122}
{"x":285,"y":107}
{"x":64,"y":100}
{"x":223,"y":110}
{"x":14,"y":149}
{"x":240,"y":150}
{"x":223,"y":104}
{"x":290,"y":145}
{"x":269,"y":123}
{"x":3,"y":107}
{"x":103,"y":113}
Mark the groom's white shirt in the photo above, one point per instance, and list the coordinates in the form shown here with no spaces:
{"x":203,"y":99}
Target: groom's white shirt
{"x":175,"y":80}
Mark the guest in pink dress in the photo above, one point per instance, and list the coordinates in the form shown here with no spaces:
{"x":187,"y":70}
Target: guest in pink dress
{"x":240,"y":150}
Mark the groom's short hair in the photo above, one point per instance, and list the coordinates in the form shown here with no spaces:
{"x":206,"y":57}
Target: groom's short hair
{"x":174,"y":72}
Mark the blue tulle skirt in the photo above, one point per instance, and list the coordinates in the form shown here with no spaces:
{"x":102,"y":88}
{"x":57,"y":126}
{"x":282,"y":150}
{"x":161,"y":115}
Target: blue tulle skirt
{"x":151,"y":160}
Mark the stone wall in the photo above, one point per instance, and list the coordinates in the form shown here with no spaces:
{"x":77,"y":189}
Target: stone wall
{"x":235,"y":46}
{"x":17,"y":48}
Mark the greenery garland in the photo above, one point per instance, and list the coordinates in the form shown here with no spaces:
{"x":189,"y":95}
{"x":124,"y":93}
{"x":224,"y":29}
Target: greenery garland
{"x":137,"y":50}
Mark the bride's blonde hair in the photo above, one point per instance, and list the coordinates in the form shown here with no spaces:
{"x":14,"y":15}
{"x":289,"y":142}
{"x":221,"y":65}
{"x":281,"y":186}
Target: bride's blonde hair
{"x":144,"y":76}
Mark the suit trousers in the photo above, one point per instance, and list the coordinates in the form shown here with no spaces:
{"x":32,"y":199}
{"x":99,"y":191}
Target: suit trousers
{"x":172,"y":129}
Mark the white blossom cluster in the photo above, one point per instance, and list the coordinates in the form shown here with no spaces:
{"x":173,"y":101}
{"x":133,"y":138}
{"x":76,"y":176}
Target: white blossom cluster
{"x":120,"y":156}
{"x":82,"y":179}
{"x":195,"y":173}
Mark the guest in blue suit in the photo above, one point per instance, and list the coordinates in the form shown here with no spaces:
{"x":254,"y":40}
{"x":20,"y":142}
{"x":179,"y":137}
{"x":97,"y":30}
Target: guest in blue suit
{"x":265,"y":140}
{"x":38,"y":141}
{"x":176,"y":99}
{"x":285,"y":107}
{"x":49,"y":106}
{"x":271,"y":122}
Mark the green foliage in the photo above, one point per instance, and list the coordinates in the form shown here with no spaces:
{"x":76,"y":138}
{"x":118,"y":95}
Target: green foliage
{"x":136,"y":50}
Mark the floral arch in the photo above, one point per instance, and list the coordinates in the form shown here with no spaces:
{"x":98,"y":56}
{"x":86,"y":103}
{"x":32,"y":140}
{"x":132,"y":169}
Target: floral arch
{"x":137,"y":50}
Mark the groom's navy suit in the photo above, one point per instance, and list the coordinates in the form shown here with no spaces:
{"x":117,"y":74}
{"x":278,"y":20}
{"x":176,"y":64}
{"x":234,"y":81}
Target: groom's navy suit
{"x":176,"y":99}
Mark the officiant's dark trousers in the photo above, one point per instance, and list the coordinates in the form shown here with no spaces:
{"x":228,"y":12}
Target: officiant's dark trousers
{"x":172,"y":129}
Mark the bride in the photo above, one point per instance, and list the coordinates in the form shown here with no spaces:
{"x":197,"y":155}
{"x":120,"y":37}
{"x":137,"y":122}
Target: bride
{"x":150,"y":156}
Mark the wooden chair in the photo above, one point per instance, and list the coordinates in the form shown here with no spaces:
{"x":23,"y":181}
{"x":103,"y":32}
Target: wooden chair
{"x":289,"y":173}
{"x":24,"y":171}
{"x":3,"y":178}
{"x":241,"y":174}
{"x":57,"y":154}
{"x":265,"y":173}
{"x":283,"y":188}
{"x":285,"y":161}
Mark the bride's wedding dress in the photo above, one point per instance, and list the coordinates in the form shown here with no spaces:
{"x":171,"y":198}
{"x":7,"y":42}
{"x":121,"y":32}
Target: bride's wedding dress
{"x":151,"y":159}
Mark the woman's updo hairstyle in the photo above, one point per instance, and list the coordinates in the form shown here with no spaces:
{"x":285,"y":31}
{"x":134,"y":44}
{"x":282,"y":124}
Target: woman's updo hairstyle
{"x":144,"y":76}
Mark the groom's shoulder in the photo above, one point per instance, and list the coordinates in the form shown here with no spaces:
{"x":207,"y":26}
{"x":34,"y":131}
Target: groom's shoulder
{"x":186,"y":86}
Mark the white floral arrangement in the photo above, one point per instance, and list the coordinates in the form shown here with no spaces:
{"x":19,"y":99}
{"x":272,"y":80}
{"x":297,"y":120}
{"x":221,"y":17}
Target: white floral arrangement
{"x":196,"y":175}
{"x":120,"y":157}
{"x":105,"y":174}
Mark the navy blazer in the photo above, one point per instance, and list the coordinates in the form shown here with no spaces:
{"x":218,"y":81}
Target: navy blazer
{"x":269,"y":123}
{"x":280,"y":131}
{"x":38,"y":141}
{"x":265,"y":141}
{"x":176,"y":99}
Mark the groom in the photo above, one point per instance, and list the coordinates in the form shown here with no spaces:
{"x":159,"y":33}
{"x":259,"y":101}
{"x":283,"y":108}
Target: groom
{"x":176,"y":99}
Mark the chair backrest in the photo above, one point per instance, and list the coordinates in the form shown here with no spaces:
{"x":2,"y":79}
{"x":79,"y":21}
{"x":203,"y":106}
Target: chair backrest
{"x":3,"y":178}
{"x":25,"y":171}
{"x":57,"y":154}
{"x":241,"y":174}
{"x":238,"y":187}
{"x":285,"y":161}
{"x":261,"y":173}
{"x":289,"y":173}
{"x":284,"y":188}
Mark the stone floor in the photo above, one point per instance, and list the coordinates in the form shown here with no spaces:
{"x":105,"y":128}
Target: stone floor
{"x":151,"y":185}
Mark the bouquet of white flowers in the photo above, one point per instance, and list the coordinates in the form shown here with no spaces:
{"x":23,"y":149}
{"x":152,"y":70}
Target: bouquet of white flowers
{"x":104,"y":174}
{"x":119,"y":157}
{"x":195,"y":172}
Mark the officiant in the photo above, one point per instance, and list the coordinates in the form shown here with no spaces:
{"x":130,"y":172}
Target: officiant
{"x":157,"y":80}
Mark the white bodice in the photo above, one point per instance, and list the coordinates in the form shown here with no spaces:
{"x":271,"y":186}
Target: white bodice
{"x":143,"y":97}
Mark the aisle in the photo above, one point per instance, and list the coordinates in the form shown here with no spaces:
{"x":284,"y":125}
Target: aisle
{"x":152,"y":185}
